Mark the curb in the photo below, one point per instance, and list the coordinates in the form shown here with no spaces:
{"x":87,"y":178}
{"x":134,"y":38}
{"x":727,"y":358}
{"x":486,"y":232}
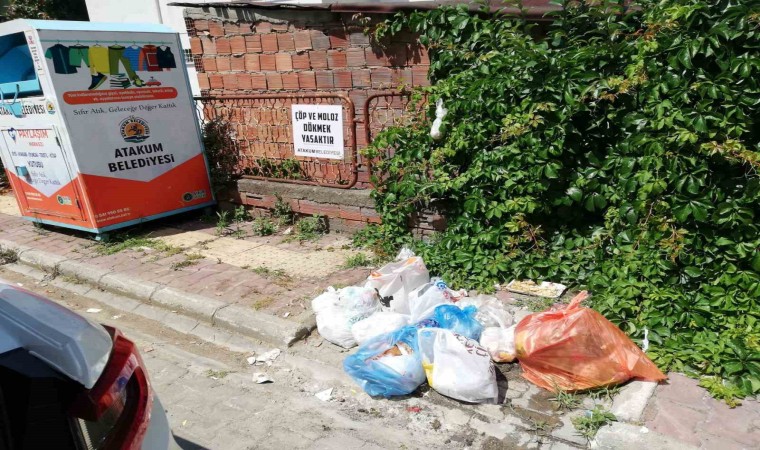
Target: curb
{"x":630,"y":403}
{"x":623,"y":436}
{"x":224,"y":315}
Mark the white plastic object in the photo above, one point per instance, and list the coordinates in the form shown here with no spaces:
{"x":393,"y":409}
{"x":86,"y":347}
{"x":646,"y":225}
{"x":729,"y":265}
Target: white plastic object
{"x":404,"y":254}
{"x":491,"y":310}
{"x":500,"y":343}
{"x":423,"y":300}
{"x":379,"y":323}
{"x":457,"y":367}
{"x":337,"y":311}
{"x":396,"y":280}
{"x":645,"y":342}
{"x":440,"y":113}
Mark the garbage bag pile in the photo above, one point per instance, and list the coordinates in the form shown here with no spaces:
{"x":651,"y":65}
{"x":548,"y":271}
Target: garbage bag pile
{"x":411,"y":329}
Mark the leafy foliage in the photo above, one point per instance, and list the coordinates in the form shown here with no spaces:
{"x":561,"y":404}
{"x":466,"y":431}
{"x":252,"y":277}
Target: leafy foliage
{"x":289,"y":169}
{"x":310,"y":228}
{"x":47,"y":9}
{"x":263,"y":226}
{"x":590,"y":422}
{"x":282,"y":210}
{"x":221,"y":152}
{"x":618,"y":153}
{"x":358,"y":260}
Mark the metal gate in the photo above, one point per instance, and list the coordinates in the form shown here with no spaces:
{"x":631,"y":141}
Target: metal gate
{"x":391,"y":109}
{"x":262,"y":132}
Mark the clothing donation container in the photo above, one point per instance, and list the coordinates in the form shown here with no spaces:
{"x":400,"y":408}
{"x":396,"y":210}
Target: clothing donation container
{"x":98,"y":128}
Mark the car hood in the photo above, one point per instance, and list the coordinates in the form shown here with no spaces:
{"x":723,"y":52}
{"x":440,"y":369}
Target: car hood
{"x":62,"y":338}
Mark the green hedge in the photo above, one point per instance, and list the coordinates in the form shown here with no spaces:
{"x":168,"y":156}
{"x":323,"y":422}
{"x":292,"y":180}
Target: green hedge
{"x":618,"y":152}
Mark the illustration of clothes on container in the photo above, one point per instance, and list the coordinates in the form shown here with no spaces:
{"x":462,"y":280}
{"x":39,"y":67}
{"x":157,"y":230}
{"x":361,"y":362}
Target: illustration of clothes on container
{"x":132,"y":53}
{"x":149,"y":59}
{"x":99,"y":65}
{"x":79,"y":56}
{"x":165,"y":58}
{"x":121,"y":63}
{"x":116,"y":59}
{"x":60,"y":54}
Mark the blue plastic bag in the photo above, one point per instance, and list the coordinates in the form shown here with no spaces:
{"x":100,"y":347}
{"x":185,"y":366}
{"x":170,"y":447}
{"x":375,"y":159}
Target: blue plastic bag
{"x":460,"y":321}
{"x":388,"y":365}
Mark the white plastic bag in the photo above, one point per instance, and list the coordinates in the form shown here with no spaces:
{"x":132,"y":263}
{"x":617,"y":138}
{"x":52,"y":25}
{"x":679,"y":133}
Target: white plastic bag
{"x":396,"y":280}
{"x":500,"y":343}
{"x":379,"y":323}
{"x":423,"y":300}
{"x":440,"y":113}
{"x":337,"y":311}
{"x":491,"y":311}
{"x":457,"y":367}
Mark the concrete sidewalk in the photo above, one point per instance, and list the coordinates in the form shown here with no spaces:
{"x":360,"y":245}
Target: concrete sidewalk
{"x":181,"y":274}
{"x":683,"y":410}
{"x":259,"y":287}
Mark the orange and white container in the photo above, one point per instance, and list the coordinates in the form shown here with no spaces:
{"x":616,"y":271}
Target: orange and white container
{"x":98,"y":128}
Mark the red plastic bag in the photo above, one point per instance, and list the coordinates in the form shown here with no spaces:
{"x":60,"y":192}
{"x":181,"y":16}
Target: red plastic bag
{"x":575,"y":348}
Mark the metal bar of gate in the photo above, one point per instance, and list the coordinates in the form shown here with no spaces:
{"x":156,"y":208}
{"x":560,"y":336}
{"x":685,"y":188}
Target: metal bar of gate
{"x":349,"y":123}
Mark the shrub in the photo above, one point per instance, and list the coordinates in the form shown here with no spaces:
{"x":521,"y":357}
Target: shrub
{"x":310,"y":228}
{"x":263,"y":226}
{"x":619,"y":154}
{"x":221,"y":153}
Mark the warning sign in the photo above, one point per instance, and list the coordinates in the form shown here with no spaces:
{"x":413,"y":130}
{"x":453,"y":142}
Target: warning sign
{"x":318,"y":131}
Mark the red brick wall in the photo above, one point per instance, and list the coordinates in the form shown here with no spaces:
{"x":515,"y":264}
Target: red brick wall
{"x":333,"y":55}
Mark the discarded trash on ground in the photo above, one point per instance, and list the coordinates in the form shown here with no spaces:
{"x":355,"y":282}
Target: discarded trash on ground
{"x":381,"y":322}
{"x":388,"y":365}
{"x":458,"y":320}
{"x":265,"y":358}
{"x":413,"y":329}
{"x":395,"y":281}
{"x":94,"y":310}
{"x":573,"y":348}
{"x":261,"y":378}
{"x":529,"y":287}
{"x":325,"y":395}
{"x":500,"y":343}
{"x":338,"y":310}
{"x":491,"y":311}
{"x":424,"y":300}
{"x":457,"y":367}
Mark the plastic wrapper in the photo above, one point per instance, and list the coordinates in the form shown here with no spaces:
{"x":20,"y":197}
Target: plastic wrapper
{"x":337,"y":311}
{"x":574,"y":348}
{"x":491,"y":310}
{"x":395,"y":281}
{"x":388,"y":365}
{"x":460,"y":321}
{"x":381,"y":322}
{"x":424,"y":300}
{"x":500,"y":343}
{"x":457,"y":367}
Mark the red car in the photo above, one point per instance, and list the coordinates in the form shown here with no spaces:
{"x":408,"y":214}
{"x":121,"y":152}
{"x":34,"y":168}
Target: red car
{"x":67,"y":383}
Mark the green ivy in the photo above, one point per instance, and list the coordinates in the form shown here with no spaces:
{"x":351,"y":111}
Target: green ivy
{"x":617,"y":151}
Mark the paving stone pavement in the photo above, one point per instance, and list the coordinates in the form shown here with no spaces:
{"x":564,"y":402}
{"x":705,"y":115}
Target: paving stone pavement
{"x":212,"y":401}
{"x":682,"y":409}
{"x":527,"y":420}
{"x":266,"y":274}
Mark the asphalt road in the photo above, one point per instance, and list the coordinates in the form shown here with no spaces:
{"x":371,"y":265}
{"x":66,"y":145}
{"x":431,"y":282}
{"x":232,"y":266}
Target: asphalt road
{"x":213,"y":402}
